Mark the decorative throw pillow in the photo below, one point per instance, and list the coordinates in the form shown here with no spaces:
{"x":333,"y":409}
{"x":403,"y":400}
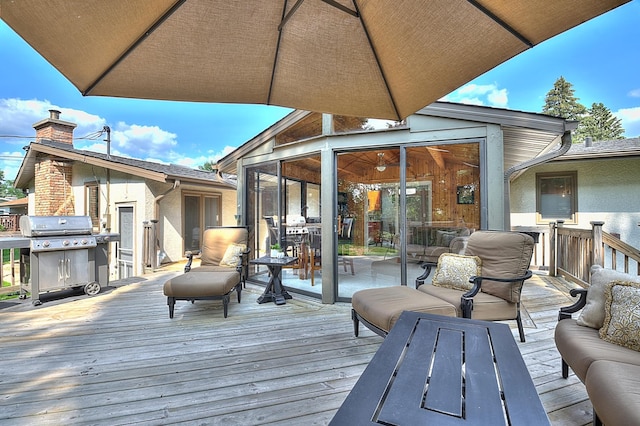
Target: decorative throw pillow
{"x":232,"y":255}
{"x":454,"y":270}
{"x":622,"y":314}
{"x":592,"y":315}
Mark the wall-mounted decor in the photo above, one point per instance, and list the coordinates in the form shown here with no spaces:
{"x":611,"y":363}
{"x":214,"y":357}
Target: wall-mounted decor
{"x":465,"y":194}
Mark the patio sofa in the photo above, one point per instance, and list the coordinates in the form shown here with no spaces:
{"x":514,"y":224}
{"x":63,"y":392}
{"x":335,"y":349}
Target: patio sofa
{"x":608,"y":366}
{"x":440,"y":241}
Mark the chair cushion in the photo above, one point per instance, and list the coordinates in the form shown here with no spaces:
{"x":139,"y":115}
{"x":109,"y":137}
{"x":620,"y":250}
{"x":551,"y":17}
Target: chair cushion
{"x":382,"y":306}
{"x":201,"y":285}
{"x":614,"y":392}
{"x":454,"y":271}
{"x":216,"y":240}
{"x":622,"y":314}
{"x":504,"y":255}
{"x":580,"y":346}
{"x":485,"y":306}
{"x":592,"y":315}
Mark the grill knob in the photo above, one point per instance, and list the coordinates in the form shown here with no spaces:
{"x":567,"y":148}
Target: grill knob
{"x":84,"y":242}
{"x":65,"y":243}
{"x":46,"y":243}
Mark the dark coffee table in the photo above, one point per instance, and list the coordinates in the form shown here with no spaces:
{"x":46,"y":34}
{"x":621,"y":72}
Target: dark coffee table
{"x":435,"y":370}
{"x":274,"y":292}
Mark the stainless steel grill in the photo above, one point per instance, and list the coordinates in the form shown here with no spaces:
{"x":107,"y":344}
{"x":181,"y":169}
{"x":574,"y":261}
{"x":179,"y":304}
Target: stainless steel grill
{"x":64,"y":254}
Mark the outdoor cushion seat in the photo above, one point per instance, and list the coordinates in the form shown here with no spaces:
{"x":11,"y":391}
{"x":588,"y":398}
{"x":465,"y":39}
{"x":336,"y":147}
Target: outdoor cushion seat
{"x":581,"y":346}
{"x":614,"y":392}
{"x":379,"y":308}
{"x":223,"y":269}
{"x":486,"y":306}
{"x":202,"y":286}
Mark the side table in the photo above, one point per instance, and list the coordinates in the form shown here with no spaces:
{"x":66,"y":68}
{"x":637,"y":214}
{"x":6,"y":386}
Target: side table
{"x":274,"y":292}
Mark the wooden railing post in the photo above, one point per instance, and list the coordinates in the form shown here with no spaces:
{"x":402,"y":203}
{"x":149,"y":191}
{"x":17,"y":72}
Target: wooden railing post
{"x":597,"y":255}
{"x":552,"y":249}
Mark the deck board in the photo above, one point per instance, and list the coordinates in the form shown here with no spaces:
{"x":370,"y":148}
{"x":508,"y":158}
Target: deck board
{"x":117,"y":358}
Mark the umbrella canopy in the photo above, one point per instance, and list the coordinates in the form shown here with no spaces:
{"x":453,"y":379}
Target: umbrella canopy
{"x":376,"y":59}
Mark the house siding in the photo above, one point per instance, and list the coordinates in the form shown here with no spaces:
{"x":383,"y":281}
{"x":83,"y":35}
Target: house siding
{"x":607,"y":191}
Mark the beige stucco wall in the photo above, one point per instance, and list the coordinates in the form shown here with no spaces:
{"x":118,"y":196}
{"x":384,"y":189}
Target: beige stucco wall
{"x":608,"y":191}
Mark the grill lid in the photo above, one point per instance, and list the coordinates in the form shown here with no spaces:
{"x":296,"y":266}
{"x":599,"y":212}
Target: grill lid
{"x":42,"y":226}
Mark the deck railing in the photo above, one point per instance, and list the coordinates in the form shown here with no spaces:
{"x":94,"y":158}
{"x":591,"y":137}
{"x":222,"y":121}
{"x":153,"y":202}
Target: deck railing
{"x":10,"y":222}
{"x":573,"y":251}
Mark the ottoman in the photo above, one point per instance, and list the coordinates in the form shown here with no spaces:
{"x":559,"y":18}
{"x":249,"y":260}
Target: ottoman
{"x":379,"y":308}
{"x":203,"y":286}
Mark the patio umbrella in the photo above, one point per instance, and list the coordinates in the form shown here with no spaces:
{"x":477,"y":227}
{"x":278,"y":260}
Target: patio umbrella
{"x":376,"y":59}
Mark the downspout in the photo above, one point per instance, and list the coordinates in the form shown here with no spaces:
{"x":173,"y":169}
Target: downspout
{"x":156,"y":218}
{"x":564,"y":147}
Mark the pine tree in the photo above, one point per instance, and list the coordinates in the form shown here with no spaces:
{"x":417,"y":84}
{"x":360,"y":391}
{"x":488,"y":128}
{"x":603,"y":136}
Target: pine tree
{"x":600,"y":124}
{"x":561,"y":101}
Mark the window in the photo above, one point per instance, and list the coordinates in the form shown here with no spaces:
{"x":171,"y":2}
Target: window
{"x":200,"y":212}
{"x":556,"y":197}
{"x":92,"y":203}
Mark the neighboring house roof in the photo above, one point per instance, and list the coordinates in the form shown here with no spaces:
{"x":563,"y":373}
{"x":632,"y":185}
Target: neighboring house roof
{"x":526,"y":135}
{"x":144,"y":169}
{"x":603,"y":149}
{"x":19,"y":202}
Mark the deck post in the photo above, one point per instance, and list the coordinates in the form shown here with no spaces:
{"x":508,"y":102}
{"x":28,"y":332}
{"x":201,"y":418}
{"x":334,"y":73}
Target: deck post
{"x":597,"y":249}
{"x":553,"y":248}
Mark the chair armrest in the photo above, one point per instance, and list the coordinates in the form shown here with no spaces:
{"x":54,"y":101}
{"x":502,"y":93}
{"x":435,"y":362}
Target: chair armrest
{"x":566,"y":311}
{"x":243,"y":266}
{"x":466,"y":301}
{"x":477,"y":282}
{"x":427,"y":266}
{"x":189,"y":256}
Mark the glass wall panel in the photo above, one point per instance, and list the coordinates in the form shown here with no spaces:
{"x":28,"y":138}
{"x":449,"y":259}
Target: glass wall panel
{"x":368,"y":218}
{"x":302,"y":223}
{"x":443,"y":197}
{"x":262,"y":214}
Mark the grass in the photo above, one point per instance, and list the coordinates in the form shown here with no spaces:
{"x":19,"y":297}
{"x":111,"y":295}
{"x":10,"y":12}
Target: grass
{"x":6,"y":255}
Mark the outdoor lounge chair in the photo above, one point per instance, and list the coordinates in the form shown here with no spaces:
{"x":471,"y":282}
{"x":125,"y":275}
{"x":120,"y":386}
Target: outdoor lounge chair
{"x":493,"y":292}
{"x":223,"y":269}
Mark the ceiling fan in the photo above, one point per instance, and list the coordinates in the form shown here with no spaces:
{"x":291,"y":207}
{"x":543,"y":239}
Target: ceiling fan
{"x":381,"y":164}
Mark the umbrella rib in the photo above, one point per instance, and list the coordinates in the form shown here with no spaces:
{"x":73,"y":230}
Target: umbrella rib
{"x":329,"y":2}
{"x":500,"y":22}
{"x":275,"y":57}
{"x":375,"y":55}
{"x":135,"y":44}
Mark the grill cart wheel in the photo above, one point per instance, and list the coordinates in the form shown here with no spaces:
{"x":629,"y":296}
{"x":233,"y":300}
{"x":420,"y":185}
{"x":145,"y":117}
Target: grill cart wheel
{"x":92,"y":289}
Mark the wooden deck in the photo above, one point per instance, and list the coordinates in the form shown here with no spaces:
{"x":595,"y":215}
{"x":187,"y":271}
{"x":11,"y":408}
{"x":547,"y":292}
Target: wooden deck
{"x":117,"y":358}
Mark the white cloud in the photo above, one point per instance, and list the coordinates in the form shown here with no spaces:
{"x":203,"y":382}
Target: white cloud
{"x":150,"y":143}
{"x":480,"y":94}
{"x":635,"y":93}
{"x":630,"y":118}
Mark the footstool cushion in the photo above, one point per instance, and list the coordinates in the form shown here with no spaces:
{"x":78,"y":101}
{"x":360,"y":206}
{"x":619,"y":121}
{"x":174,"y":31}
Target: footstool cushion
{"x":196,"y":286}
{"x":381,"y":307}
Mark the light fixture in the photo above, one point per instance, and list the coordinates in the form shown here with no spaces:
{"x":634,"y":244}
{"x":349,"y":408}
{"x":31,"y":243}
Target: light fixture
{"x":381,"y":167}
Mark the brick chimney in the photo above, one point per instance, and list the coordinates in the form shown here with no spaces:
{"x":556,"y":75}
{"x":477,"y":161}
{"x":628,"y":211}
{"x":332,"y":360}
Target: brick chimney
{"x":54,"y":129}
{"x":53,"y":176}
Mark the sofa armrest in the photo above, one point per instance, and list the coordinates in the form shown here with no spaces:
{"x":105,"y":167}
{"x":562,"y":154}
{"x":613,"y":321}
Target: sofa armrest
{"x":466,"y":301}
{"x":427,"y":266}
{"x":566,"y":311}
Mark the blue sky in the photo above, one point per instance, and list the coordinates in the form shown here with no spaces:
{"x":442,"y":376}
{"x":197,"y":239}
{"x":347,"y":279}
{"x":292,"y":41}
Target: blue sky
{"x":601,"y":58}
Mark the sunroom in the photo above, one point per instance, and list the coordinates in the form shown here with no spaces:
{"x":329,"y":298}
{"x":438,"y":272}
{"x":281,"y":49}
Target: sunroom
{"x":361,"y":206}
